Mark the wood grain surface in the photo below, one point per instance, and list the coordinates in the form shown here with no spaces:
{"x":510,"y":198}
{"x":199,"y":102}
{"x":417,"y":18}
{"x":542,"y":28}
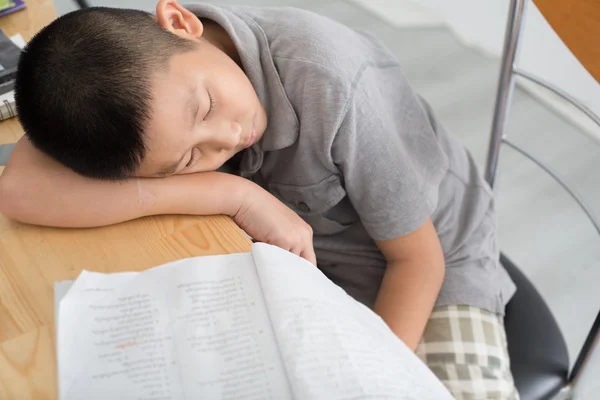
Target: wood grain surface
{"x":33,"y":258}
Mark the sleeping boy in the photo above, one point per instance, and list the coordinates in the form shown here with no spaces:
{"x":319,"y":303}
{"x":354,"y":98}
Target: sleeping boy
{"x":330,"y":155}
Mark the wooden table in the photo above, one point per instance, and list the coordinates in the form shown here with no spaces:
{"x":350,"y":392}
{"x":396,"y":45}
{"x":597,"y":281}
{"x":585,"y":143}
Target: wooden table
{"x":33,"y":258}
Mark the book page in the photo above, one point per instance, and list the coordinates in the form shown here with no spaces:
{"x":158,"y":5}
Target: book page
{"x":334,"y":347}
{"x":61,"y":288}
{"x":196,"y":328}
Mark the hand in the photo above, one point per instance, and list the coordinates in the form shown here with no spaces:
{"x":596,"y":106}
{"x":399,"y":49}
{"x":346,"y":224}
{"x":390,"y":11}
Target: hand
{"x":268,"y":220}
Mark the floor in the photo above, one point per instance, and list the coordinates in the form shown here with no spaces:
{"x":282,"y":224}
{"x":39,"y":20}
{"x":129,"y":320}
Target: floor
{"x":541,"y":228}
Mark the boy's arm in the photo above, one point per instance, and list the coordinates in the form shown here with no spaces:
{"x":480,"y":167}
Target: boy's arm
{"x":411,"y":283}
{"x":36,"y":189}
{"x":393,"y":162}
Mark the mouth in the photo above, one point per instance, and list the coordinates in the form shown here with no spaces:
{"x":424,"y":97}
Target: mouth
{"x":252,"y":138}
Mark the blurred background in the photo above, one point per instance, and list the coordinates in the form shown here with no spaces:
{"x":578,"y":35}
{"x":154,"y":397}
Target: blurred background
{"x":450,"y":52}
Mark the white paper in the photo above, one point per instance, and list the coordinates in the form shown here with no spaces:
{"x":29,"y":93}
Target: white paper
{"x":197,"y":328}
{"x":333,"y":347}
{"x":60,"y":290}
{"x":18,"y":40}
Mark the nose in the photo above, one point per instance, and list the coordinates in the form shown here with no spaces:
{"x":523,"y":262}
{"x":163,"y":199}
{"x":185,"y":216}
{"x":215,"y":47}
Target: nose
{"x":227,"y":136}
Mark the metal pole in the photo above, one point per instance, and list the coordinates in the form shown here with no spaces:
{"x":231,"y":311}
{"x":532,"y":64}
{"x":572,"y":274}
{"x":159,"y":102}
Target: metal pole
{"x":82,"y":3}
{"x":592,"y":340}
{"x":506,"y":85}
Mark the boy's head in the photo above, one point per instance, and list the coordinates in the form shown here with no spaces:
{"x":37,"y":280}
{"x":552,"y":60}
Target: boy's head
{"x":114,"y":93}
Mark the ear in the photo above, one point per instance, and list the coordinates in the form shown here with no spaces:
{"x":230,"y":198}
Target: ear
{"x":178,"y":20}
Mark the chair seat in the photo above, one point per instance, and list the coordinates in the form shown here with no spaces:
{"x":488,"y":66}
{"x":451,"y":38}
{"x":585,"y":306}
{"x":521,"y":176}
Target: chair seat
{"x":539,"y":357}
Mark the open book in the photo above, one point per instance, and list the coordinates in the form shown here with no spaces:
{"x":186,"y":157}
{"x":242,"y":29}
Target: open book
{"x":260,"y":325}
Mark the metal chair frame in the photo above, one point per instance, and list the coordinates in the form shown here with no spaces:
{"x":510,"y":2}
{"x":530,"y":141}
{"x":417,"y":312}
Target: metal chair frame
{"x":508,"y":74}
{"x":82,"y":3}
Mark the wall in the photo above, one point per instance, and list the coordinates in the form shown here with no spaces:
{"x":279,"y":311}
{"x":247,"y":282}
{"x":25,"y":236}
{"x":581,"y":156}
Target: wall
{"x":482,"y":24}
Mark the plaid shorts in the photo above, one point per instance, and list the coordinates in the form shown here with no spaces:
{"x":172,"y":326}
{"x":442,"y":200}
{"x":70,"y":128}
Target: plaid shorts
{"x":466,"y":349}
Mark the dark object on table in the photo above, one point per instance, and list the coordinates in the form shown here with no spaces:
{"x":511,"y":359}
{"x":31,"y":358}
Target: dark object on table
{"x":9,"y":60}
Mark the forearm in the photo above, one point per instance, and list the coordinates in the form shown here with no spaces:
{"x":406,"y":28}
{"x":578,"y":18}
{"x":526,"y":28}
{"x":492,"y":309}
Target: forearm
{"x":407,"y":296}
{"x":37,"y":190}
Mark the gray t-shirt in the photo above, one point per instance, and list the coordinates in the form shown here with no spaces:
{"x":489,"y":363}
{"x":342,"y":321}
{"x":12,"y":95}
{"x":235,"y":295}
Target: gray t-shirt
{"x":357,"y":154}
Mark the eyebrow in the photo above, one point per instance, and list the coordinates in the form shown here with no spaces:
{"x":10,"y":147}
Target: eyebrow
{"x":193,"y":105}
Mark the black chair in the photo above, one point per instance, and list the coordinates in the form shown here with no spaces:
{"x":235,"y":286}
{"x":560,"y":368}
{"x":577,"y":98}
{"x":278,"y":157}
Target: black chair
{"x":539,"y":357}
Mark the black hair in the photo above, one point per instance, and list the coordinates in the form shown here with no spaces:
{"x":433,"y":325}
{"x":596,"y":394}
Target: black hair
{"x":83,"y":88}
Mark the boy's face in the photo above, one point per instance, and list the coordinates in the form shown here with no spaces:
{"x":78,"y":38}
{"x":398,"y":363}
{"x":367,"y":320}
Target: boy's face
{"x":204,"y":108}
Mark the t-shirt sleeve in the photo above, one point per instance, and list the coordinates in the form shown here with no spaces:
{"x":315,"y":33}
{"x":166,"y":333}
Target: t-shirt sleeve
{"x":388,"y":154}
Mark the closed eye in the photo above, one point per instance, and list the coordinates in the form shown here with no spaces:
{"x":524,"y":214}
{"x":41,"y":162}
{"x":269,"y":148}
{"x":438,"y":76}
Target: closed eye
{"x":194,"y":157}
{"x":211,"y":106}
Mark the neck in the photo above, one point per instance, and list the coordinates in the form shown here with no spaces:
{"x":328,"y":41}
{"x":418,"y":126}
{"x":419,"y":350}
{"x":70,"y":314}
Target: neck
{"x":219,"y":38}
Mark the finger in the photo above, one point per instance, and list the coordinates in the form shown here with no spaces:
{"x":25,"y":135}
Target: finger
{"x":284,"y":245}
{"x":296,"y":250}
{"x":309,"y":255}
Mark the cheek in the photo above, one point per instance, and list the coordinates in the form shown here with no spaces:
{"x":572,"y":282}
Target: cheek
{"x":262,"y":119}
{"x":240,"y":94}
